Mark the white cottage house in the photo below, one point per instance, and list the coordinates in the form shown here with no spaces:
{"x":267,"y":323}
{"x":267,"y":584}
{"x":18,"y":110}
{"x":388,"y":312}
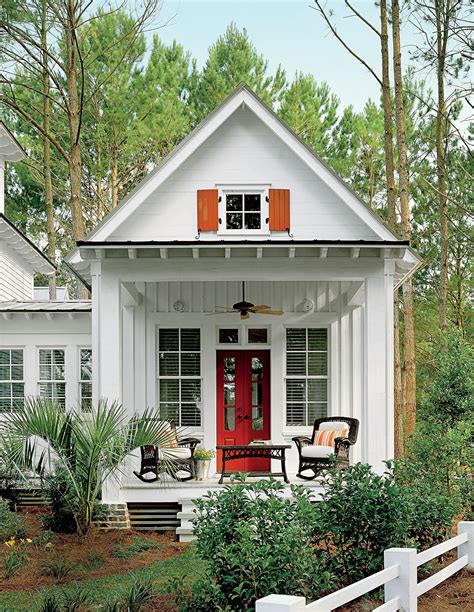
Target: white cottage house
{"x":240,"y":205}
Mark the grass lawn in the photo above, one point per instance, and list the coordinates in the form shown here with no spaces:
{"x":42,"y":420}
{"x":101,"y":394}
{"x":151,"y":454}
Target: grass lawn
{"x":106,"y":588}
{"x":105,"y":565}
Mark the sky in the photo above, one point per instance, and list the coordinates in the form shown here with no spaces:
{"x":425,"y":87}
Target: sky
{"x":286,"y":32}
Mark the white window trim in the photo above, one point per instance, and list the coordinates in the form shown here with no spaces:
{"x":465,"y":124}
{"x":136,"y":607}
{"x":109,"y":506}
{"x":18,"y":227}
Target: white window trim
{"x":264,"y":209}
{"x":80,"y":379}
{"x":11,"y":381}
{"x":55,"y":381}
{"x":289,"y":430}
{"x":180,"y":377}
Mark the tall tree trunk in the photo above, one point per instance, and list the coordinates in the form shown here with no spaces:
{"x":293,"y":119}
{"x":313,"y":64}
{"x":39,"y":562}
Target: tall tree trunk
{"x":115,"y":178}
{"x":409,"y":335}
{"x":100,"y":194}
{"x":392,"y":221}
{"x":74,"y":124}
{"x":388,"y":118}
{"x":48,"y":186}
{"x":442,"y":31}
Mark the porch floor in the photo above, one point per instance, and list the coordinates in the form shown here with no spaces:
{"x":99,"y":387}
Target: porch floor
{"x":169,"y":490}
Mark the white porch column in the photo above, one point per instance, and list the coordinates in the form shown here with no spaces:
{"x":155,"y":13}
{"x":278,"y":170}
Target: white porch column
{"x":95,"y":342}
{"x":110,"y":374}
{"x":377,"y":413}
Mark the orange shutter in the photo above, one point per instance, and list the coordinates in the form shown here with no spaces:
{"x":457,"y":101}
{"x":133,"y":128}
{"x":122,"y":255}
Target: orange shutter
{"x":279,"y":204}
{"x":207,"y":205}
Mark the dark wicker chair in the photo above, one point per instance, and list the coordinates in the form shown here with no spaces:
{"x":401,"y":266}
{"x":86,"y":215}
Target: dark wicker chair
{"x":341,"y":448}
{"x":153,"y":463}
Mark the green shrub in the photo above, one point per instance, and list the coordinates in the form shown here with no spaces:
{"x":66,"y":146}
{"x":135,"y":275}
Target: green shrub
{"x":254,"y":542}
{"x":16,"y":558}
{"x":12,"y":525}
{"x":361,"y":515}
{"x":138,"y":546}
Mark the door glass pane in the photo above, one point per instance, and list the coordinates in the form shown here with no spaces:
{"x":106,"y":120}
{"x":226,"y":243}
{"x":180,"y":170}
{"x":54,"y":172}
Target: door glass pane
{"x":257,"y":394}
{"x":229,"y":394}
{"x":229,"y":418}
{"x":257,"y":368}
{"x":229,"y":368}
{"x":257,"y":418}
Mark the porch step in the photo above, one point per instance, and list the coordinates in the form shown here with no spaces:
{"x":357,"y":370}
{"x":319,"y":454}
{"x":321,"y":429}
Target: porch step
{"x":154,"y":516}
{"x":185,"y":531}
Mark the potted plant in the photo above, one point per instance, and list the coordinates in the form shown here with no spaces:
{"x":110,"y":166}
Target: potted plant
{"x":203,"y":457}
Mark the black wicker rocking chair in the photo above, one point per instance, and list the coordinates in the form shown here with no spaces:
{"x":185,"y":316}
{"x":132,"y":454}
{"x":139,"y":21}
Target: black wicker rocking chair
{"x":317,"y":464}
{"x":156,"y":460}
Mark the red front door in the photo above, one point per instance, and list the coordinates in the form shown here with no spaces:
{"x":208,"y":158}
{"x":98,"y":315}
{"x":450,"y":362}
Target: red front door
{"x":243,"y":403}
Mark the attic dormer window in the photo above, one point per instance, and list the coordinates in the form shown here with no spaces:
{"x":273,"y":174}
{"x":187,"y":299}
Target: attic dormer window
{"x":243,"y":211}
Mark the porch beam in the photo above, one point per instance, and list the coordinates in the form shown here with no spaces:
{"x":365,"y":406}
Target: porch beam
{"x":195,"y":253}
{"x":132,"y":253}
{"x":259,"y":252}
{"x":291,"y":252}
{"x":323,"y":252}
{"x":227,"y":252}
{"x":164,"y":253}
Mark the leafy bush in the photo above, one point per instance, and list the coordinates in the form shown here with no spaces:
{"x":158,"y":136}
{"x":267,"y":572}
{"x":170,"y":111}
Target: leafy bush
{"x":255,"y":542}
{"x":12,"y":525}
{"x":14,"y":561}
{"x":362,"y":514}
{"x":132,"y":550}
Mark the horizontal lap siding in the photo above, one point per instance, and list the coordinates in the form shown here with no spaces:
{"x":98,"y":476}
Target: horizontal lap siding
{"x":15,"y":282}
{"x":243,"y":151}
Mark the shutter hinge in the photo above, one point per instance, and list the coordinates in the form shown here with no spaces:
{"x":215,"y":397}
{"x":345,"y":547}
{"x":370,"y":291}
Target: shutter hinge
{"x":267,"y":199}
{"x":220,"y":221}
{"x":219,"y":199}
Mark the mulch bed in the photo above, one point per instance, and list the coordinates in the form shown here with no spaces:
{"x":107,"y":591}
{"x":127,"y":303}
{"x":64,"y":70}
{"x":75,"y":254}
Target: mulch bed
{"x":78,"y":552}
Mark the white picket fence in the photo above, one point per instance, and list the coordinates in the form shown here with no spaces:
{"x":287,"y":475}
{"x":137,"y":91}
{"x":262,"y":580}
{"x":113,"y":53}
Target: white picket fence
{"x":399,"y":579}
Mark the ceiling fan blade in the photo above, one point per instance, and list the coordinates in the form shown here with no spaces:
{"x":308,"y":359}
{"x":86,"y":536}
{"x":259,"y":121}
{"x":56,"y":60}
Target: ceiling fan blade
{"x":261,"y":307}
{"x":269,"y":312}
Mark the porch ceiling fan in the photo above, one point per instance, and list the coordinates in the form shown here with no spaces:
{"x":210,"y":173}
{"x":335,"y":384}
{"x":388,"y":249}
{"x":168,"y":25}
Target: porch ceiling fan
{"x":245,"y":309}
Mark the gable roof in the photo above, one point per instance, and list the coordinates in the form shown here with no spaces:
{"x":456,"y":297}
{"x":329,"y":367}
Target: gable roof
{"x":242,"y":95}
{"x":23,"y":246}
{"x":10,"y":149}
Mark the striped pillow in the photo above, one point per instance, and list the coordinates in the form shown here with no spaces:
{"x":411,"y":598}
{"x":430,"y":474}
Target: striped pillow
{"x":327,"y":437}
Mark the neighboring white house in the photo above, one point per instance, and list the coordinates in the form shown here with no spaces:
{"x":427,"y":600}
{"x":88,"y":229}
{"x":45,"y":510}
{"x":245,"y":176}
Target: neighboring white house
{"x":240,"y":205}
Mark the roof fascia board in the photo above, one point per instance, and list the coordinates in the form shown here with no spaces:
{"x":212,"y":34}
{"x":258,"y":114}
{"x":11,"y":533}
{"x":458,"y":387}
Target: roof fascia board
{"x":167,"y":167}
{"x":44,"y":264}
{"x":331,"y":180}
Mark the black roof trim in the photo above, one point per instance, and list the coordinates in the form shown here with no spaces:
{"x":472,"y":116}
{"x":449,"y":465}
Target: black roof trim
{"x":18,"y":231}
{"x":221,"y":243}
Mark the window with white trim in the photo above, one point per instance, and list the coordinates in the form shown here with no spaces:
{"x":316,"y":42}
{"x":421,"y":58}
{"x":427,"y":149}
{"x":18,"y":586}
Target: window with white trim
{"x":306,"y":378}
{"x":179,"y":375}
{"x":85,"y":380}
{"x":52,"y":383}
{"x":12,"y":386}
{"x":243,"y":210}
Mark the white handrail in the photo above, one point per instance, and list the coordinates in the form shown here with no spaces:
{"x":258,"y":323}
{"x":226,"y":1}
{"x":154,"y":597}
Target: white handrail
{"x":431,"y":553}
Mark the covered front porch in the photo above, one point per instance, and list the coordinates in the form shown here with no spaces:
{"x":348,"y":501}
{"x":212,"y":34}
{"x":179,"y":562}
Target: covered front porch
{"x":159,"y":342}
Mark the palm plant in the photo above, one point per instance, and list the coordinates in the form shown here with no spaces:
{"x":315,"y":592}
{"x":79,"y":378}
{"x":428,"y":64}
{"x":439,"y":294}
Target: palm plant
{"x":88,"y":448}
